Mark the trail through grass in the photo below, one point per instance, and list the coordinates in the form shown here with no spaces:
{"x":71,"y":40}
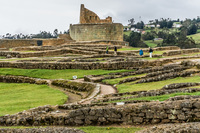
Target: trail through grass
{"x":54,"y":74}
{"x":18,"y":97}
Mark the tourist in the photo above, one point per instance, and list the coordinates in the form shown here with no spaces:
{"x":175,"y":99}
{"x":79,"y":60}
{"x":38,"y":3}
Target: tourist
{"x":141,"y":52}
{"x":150,"y":52}
{"x":115,"y":50}
{"x":107,"y":48}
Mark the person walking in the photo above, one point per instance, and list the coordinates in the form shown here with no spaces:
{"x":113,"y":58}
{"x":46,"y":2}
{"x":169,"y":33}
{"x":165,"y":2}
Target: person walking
{"x":141,"y":52}
{"x":107,"y":48}
{"x":115,"y":49}
{"x":150,"y":52}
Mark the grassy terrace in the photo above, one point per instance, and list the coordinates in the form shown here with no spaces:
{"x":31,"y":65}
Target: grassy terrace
{"x":54,"y":74}
{"x":159,"y":98}
{"x":92,"y":129}
{"x":117,"y":80}
{"x":130,"y":87}
{"x":18,"y":97}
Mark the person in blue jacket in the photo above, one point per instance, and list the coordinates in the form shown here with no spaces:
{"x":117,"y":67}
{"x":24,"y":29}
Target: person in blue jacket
{"x":141,"y":52}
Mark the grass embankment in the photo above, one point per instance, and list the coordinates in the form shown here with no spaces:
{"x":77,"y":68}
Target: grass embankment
{"x":18,"y":97}
{"x":54,"y":74}
{"x":128,"y":49}
{"x":152,"y":43}
{"x":92,"y":129}
{"x":196,"y":37}
{"x":117,"y":80}
{"x":127,"y":33}
{"x":130,"y":87}
{"x":159,"y":98}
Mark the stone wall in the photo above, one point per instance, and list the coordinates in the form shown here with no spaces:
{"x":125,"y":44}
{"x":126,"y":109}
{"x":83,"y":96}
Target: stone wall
{"x":87,"y":17}
{"x":193,"y":127}
{"x":21,"y":79}
{"x":10,"y":43}
{"x":178,"y":111}
{"x":97,"y":32}
{"x":42,"y":130}
{"x":182,"y":51}
{"x":78,"y":86}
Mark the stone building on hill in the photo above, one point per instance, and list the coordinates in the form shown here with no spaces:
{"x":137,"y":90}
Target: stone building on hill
{"x":92,"y":28}
{"x":89,"y":17}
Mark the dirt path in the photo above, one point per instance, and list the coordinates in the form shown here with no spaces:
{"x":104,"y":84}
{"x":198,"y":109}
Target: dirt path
{"x":104,"y":89}
{"x":72,"y":98}
{"x":107,"y":89}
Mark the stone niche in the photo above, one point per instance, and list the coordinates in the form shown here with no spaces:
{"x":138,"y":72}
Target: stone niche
{"x":92,"y":28}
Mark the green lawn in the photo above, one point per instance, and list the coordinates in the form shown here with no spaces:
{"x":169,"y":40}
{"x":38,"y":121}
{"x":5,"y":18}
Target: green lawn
{"x":196,"y":37}
{"x":18,"y":97}
{"x":117,"y":80}
{"x":54,"y":74}
{"x":130,"y":87}
{"x":153,"y":44}
{"x":92,"y":129}
{"x":127,"y":33}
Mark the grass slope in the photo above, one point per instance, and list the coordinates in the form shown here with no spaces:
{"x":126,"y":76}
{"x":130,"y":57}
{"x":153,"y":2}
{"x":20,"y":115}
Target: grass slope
{"x":130,"y":87}
{"x":54,"y":74}
{"x":18,"y":97}
{"x":92,"y":129}
{"x":159,"y":98}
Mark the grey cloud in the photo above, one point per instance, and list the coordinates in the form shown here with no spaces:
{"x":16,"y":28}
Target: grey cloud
{"x":31,"y":16}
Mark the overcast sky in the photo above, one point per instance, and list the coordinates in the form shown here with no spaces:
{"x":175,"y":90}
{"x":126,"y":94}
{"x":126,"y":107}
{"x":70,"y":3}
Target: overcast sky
{"x":32,"y":16}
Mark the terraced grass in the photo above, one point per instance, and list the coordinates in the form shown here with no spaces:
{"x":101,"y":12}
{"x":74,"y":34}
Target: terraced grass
{"x":18,"y":97}
{"x":159,"y":98}
{"x":128,"y":49}
{"x":55,"y":74}
{"x":117,"y":80}
{"x":130,"y":87}
{"x":92,"y":129}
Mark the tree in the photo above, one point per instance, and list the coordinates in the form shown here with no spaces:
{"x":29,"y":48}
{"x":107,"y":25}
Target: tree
{"x":192,"y":29}
{"x":148,"y":36}
{"x":131,"y":21}
{"x":170,"y":39}
{"x":134,"y":40}
{"x":55,"y":32}
{"x":140,"y":25}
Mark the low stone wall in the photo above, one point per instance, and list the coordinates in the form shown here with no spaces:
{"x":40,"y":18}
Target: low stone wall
{"x":42,"y":130}
{"x":44,"y":53}
{"x":182,"y":51}
{"x":77,"y":86}
{"x":179,"y":85}
{"x":168,"y":76}
{"x":10,"y":43}
{"x":149,"y":94}
{"x":34,"y":48}
{"x":174,"y":128}
{"x":144,"y":113}
{"x":87,"y":65}
{"x":21,"y":79}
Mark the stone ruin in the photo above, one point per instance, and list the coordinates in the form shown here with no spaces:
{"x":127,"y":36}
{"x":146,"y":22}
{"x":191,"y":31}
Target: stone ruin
{"x":92,"y":28}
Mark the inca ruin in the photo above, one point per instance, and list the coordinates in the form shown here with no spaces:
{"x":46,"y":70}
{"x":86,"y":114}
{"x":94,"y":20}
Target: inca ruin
{"x":96,"y":78}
